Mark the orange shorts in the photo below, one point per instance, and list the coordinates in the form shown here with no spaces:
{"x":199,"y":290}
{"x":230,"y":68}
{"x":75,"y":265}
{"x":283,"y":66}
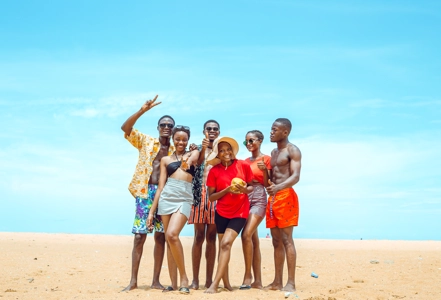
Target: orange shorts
{"x":283,"y":210}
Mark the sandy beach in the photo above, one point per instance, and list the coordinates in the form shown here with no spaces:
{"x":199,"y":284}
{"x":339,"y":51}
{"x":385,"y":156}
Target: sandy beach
{"x":73,"y":266}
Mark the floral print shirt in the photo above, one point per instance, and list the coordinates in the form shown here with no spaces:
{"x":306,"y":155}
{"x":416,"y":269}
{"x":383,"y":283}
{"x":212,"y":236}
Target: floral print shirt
{"x":148,"y":148}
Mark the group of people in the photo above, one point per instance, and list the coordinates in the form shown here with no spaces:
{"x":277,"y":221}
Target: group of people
{"x":206,"y":185}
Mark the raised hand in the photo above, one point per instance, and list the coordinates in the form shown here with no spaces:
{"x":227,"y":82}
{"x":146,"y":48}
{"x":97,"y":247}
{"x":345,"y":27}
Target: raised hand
{"x":149,"y":104}
{"x":261,"y":165}
{"x":206,"y":141}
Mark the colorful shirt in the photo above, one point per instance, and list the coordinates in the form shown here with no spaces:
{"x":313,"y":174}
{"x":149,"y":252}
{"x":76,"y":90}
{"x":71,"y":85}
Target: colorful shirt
{"x":231,"y":205}
{"x":148,"y":148}
{"x":258,"y":173}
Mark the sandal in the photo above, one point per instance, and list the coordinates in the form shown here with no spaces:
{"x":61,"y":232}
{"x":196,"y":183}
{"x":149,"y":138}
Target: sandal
{"x":168,"y":289}
{"x":184,"y":290}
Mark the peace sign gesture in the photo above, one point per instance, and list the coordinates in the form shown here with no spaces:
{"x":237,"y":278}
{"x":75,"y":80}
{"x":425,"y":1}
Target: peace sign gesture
{"x":150,"y":104}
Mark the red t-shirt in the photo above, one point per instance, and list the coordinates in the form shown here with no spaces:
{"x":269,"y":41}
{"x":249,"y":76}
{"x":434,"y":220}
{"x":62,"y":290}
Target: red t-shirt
{"x":258,"y":173}
{"x":231,"y":205}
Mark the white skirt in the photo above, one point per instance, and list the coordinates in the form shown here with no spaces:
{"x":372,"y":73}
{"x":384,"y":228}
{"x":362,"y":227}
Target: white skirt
{"x":176,"y":195}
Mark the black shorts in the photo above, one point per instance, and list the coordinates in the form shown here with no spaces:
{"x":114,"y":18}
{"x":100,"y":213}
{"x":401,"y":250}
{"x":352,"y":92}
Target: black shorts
{"x":222,"y":223}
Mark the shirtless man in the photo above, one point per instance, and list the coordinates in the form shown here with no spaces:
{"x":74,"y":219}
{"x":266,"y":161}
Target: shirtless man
{"x":202,"y":213}
{"x":143,"y":187}
{"x":282,"y":212}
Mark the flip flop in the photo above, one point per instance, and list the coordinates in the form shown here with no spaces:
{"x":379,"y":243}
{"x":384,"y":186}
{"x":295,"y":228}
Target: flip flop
{"x":244,"y":287}
{"x":168,"y":289}
{"x":184,"y":290}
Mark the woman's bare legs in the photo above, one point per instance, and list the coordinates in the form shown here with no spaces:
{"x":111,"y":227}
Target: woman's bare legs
{"x":251,"y":252}
{"x":225,"y":242}
{"x":173,"y":225}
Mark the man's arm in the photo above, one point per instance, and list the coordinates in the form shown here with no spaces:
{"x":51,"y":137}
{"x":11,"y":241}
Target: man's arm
{"x":130,"y":122}
{"x":162,"y":180}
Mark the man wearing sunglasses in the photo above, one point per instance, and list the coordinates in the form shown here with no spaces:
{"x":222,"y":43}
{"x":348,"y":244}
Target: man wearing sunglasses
{"x":203,"y":211}
{"x":282,"y":212}
{"x":143,"y":187}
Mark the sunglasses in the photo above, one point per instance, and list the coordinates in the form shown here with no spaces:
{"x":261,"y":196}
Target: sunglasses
{"x":250,"y":141}
{"x":212,"y":129}
{"x":180,"y":127}
{"x":163,"y":125}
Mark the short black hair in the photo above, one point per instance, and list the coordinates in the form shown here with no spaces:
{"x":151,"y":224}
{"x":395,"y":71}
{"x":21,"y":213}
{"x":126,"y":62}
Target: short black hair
{"x":166,"y":116}
{"x":285,"y":122}
{"x":257,"y":133}
{"x":211,"y":121}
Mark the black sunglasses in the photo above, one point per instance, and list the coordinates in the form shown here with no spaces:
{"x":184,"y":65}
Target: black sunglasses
{"x":180,"y":127}
{"x":212,"y":129}
{"x":163,"y":125}
{"x":250,"y":141}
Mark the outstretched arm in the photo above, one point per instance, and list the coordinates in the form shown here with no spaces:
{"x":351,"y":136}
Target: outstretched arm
{"x":130,"y":122}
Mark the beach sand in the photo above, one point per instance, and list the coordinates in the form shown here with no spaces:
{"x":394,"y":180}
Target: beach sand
{"x":73,"y":266}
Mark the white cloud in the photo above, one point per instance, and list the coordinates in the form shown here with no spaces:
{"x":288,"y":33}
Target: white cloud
{"x":173,"y":103}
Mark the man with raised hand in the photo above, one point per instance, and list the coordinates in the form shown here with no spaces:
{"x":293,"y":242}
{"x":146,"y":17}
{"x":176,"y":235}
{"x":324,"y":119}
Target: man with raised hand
{"x":203,"y":211}
{"x":282,"y":212}
{"x":143,"y":187}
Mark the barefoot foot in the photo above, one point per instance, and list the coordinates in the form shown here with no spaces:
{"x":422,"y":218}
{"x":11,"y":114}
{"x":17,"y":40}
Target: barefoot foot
{"x":274,"y":286}
{"x":130,"y":287}
{"x":211,"y":290}
{"x":257,"y":285}
{"x":194,"y":285}
{"x":289,"y":287}
{"x":157,"y":286}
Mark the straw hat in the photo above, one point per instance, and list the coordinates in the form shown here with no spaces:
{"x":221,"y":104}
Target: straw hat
{"x":212,"y":157}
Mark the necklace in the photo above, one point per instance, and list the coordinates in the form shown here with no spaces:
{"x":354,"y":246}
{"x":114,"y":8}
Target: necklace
{"x":181,"y":155}
{"x":226,"y":167}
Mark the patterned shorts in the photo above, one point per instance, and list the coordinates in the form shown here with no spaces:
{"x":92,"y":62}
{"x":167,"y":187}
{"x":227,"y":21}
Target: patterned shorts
{"x":204,"y":212}
{"x":142,"y":212}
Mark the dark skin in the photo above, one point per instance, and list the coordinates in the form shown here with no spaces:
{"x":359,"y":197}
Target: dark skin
{"x":286,"y":165}
{"x":174,"y":223}
{"x":250,"y":237}
{"x":226,"y":155}
{"x":139,"y":239}
{"x":204,"y":231}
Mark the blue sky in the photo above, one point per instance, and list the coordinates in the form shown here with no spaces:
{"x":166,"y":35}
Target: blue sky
{"x":360,"y":81}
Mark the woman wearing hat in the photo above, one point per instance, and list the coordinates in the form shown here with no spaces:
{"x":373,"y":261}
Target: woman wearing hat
{"x":260,"y":164}
{"x":229,"y":183}
{"x":174,"y":199}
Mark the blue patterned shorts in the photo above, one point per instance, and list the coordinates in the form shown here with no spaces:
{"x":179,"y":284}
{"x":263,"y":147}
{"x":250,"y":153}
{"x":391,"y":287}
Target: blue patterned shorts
{"x":142,"y":212}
